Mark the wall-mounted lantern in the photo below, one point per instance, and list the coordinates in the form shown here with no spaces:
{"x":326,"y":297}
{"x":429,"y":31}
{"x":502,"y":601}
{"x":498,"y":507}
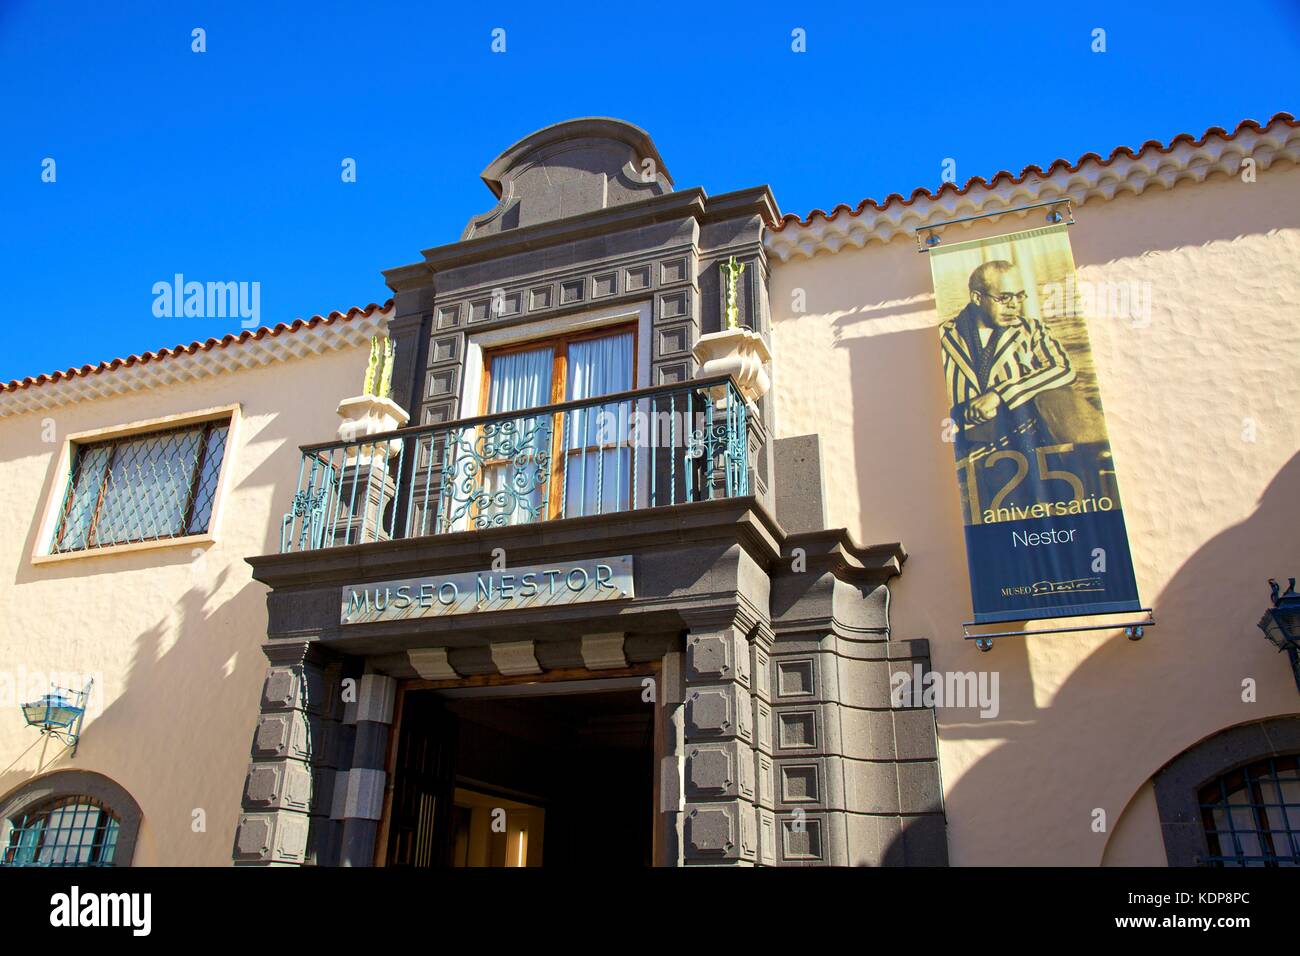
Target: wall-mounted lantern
{"x":1281,"y":624}
{"x":60,"y":714}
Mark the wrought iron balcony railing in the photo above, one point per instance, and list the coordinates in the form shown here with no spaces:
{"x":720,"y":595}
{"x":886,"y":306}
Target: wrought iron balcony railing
{"x":639,"y":449}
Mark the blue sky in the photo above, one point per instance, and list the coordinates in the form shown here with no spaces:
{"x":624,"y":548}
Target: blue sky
{"x":225,"y":165}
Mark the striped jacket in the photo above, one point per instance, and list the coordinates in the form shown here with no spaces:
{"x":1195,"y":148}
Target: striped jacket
{"x":1019,"y":363}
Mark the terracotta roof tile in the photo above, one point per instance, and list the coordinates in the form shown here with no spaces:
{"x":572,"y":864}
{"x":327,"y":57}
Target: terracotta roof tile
{"x":1005,"y":176}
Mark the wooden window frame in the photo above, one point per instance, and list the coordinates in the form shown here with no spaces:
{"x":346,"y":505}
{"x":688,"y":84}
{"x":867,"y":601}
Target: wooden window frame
{"x":559,"y":344}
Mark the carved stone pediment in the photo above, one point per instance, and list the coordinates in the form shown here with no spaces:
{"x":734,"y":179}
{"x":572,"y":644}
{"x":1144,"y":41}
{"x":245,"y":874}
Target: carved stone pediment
{"x":575,"y":167}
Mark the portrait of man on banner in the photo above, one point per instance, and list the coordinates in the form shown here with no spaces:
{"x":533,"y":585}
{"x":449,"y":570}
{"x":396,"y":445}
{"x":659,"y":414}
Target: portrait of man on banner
{"x":1025,"y":411}
{"x":1044,"y":529}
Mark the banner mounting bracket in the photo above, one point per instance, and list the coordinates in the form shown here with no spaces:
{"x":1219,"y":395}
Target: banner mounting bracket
{"x":1133,"y":630}
{"x":1054,"y":215}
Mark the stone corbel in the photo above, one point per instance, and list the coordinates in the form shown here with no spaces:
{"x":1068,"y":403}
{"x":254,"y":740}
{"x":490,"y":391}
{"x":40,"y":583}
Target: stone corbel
{"x":431,"y":663}
{"x":603,"y":651}
{"x":514,"y":658}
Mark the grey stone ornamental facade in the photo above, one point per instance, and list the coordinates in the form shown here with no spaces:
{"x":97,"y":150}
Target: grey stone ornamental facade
{"x":763,"y":635}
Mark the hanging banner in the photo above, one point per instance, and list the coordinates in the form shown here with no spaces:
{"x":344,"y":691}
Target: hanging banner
{"x":1045,"y":531}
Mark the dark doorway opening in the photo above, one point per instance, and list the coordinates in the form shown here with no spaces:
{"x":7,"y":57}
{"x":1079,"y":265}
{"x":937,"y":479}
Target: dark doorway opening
{"x":528,"y":776}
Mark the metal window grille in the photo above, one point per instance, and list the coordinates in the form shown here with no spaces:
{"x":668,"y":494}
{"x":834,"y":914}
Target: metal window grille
{"x":142,"y":488}
{"x":1252,"y":815}
{"x":72,"y":831}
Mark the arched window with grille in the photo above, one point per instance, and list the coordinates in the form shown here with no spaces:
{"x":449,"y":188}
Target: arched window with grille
{"x":1252,"y":815}
{"x":70,"y":831}
{"x":71,"y":818}
{"x":1233,"y":798}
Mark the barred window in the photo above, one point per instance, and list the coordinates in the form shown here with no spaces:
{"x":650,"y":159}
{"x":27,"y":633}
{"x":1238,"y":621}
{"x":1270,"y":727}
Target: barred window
{"x":71,"y":831}
{"x":146,"y":487}
{"x":1252,"y":815}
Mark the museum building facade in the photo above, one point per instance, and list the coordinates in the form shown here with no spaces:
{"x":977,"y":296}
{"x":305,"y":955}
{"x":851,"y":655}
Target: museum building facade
{"x":749,"y":641}
{"x":607,"y":558}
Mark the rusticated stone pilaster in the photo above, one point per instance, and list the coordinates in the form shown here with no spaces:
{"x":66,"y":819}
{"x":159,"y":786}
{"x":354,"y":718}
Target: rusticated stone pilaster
{"x":296,"y":748}
{"x":720,"y":824}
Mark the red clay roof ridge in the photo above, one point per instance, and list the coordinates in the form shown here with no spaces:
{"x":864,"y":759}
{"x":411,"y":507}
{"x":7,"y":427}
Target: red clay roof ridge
{"x":1006,"y":175}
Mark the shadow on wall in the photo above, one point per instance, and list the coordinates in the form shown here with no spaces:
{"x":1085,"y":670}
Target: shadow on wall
{"x":1123,"y":713}
{"x":1080,"y":727}
{"x":1062,"y":752}
{"x":164,"y":737}
{"x":1162,"y":220}
{"x":178,"y":730}
{"x":1120,"y":714}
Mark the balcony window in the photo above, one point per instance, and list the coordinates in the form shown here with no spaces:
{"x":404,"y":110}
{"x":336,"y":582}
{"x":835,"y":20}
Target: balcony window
{"x":597,"y":456}
{"x":516,"y":451}
{"x":546,"y":466}
{"x":143,"y":487}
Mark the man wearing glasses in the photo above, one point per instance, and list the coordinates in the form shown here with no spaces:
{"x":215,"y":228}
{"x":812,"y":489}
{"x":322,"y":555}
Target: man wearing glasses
{"x":997,"y":360}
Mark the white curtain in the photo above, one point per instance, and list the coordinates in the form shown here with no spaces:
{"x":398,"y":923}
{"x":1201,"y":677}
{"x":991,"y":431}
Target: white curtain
{"x":518,"y":381}
{"x":597,"y":479}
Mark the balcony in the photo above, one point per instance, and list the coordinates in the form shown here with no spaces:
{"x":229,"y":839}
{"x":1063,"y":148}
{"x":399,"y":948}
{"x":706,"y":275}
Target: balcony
{"x":646,"y":448}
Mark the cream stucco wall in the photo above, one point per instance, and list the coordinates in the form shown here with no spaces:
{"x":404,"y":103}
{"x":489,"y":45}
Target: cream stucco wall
{"x":1085,"y":719}
{"x":1136,"y":840}
{"x":174,"y":634}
